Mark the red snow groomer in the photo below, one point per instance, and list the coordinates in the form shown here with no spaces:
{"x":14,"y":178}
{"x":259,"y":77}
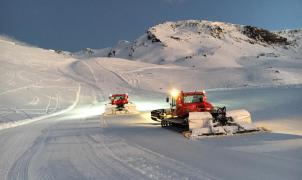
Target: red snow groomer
{"x":119,"y":103}
{"x":194,"y":116}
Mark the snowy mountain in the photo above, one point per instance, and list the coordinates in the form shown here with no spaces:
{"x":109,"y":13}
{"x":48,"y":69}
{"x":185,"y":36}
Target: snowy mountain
{"x":193,"y":42}
{"x":244,"y":55}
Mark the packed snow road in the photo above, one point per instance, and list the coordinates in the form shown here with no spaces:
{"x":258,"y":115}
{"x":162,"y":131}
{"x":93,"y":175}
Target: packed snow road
{"x":80,"y":144}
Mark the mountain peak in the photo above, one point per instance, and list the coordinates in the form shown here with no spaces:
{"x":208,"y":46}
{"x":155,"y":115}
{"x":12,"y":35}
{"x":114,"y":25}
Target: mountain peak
{"x":196,"y":43}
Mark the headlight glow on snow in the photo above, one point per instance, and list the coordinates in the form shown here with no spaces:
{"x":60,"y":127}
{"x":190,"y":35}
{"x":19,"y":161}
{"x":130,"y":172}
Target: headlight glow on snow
{"x":147,"y":106}
{"x":83,"y":112}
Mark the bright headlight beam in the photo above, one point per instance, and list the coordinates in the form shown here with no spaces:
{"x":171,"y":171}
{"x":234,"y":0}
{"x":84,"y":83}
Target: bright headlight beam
{"x":174,"y":93}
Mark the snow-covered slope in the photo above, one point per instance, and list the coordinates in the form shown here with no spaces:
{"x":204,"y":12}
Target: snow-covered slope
{"x":32,"y":81}
{"x":206,"y":43}
{"x":244,"y":55}
{"x":185,"y":54}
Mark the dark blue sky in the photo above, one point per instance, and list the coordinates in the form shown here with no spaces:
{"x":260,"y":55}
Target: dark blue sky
{"x":75,"y":24}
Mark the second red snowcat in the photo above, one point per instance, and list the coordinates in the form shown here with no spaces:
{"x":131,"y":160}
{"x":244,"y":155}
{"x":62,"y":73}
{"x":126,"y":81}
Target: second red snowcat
{"x":195,"y":116}
{"x":119,"y":103}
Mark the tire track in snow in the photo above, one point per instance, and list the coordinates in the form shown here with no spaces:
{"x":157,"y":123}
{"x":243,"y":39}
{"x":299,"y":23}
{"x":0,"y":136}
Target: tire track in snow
{"x":91,"y":70}
{"x":22,"y":77}
{"x":105,"y":167}
{"x":48,"y":104}
{"x":160,"y":67}
{"x":27,"y":121}
{"x":119,"y":76}
{"x":31,"y":86}
{"x":15,"y":89}
{"x":104,"y":123}
{"x":19,"y":170}
{"x":95,"y":81}
{"x":147,"y":163}
{"x":35,"y":101}
{"x":76,"y":76}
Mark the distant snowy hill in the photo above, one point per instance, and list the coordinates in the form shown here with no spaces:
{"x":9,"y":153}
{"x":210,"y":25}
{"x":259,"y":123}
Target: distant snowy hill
{"x":205,"y":43}
{"x":234,"y":54}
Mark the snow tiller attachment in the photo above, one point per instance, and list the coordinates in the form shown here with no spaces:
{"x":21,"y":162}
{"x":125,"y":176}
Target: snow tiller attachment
{"x":190,"y":113}
{"x":119,"y":104}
